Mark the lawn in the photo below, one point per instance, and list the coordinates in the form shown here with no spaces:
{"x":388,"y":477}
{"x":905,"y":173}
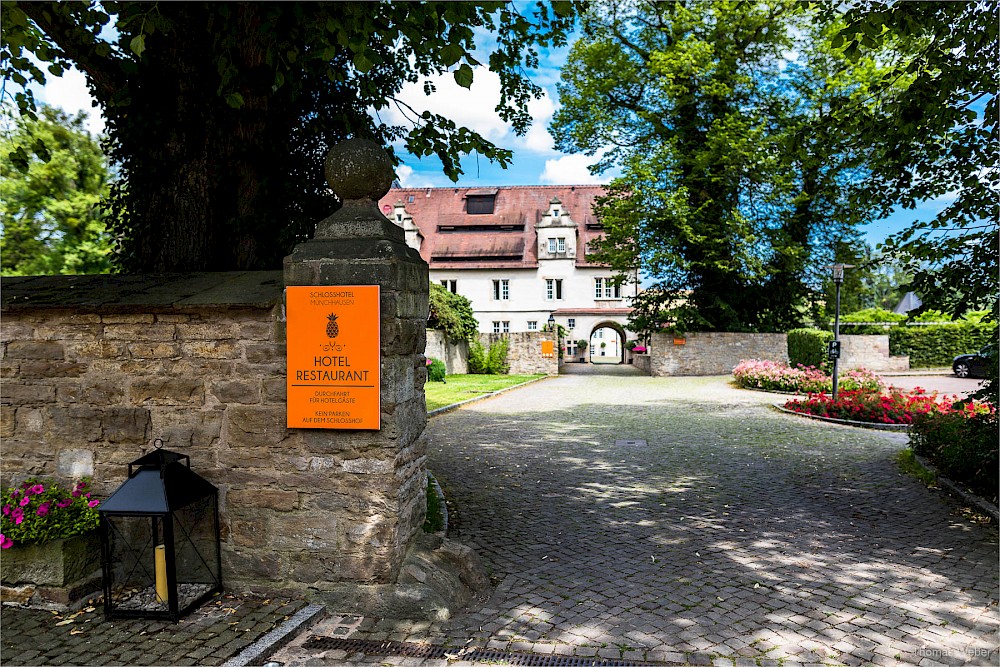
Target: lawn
{"x":459,"y":388}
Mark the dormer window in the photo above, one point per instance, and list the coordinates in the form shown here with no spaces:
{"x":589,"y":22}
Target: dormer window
{"x":480,"y":202}
{"x":557,"y":245}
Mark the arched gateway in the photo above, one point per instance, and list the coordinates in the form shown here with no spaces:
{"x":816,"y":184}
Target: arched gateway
{"x":607,"y":343}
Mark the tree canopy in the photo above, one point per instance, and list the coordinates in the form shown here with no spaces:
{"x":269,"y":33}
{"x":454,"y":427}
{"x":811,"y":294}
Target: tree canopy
{"x":724,"y":200}
{"x":933,"y":138}
{"x":219,"y":114}
{"x":51,"y":220}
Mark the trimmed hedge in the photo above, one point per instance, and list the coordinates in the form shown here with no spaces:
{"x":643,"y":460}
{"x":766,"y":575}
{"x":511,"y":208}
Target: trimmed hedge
{"x":808,"y":347}
{"x":939,"y":344}
{"x":963,"y":448}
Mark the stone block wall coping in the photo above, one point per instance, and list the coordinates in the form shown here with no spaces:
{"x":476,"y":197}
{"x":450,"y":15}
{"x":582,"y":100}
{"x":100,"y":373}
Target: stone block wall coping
{"x":128,"y":293}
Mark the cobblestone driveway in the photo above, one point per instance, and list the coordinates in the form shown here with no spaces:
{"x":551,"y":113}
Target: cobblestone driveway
{"x":734,"y":535}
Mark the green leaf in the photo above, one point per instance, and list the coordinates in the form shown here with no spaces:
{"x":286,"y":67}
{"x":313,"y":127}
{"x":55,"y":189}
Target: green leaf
{"x":451,"y":54}
{"x":463,"y":76}
{"x":362,"y":63}
{"x":235,"y":100}
{"x":138,"y":45}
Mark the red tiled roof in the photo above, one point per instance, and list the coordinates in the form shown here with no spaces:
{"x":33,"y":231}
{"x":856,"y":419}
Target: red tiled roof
{"x":506,"y":238}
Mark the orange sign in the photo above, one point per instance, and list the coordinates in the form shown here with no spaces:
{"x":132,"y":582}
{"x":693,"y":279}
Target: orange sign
{"x":334,"y":356}
{"x":548,"y":348}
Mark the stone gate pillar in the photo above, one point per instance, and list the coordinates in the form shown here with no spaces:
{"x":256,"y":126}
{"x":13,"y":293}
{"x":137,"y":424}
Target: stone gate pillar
{"x":376,"y":486}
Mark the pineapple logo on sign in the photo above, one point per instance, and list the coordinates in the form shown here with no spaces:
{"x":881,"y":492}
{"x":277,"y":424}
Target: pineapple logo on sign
{"x":332,"y":331}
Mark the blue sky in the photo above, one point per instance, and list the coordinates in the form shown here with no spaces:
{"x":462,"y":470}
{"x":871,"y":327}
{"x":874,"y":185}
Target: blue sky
{"x":535,"y":162}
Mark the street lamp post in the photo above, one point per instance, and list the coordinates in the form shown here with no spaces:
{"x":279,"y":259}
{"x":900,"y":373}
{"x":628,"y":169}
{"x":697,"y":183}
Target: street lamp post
{"x":834,"y":351}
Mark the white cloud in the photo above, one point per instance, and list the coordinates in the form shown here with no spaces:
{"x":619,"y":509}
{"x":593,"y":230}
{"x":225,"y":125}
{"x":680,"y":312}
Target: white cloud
{"x":411,"y":179}
{"x":475,"y":108}
{"x":571,"y":170}
{"x":70,"y":93}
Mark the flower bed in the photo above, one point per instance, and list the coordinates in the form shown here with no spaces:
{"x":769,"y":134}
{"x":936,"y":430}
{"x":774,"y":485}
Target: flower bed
{"x":39,"y":511}
{"x":892,"y":407}
{"x":779,"y":376}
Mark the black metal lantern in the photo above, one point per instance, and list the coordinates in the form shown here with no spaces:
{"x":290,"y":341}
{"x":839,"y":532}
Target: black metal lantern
{"x":160,"y":541}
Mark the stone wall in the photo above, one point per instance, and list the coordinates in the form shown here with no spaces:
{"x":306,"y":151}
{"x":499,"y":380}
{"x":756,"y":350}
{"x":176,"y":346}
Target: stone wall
{"x":94,"y":368}
{"x":712,"y":353}
{"x":871,"y":352}
{"x":524,"y":352}
{"x":454,"y":356}
{"x":642,"y":362}
{"x":718,"y":353}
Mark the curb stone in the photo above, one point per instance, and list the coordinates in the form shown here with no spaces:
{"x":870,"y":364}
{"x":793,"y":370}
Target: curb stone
{"x":455,"y":406}
{"x":258,"y":652}
{"x":954,"y":489}
{"x":892,"y":428}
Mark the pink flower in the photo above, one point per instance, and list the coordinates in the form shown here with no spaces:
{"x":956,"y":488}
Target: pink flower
{"x":76,"y":492}
{"x":43,"y":509}
{"x":65,"y":502}
{"x":38,"y":489}
{"x":5,"y":542}
{"x":24,"y":501}
{"x":6,"y":510}
{"x":93,"y":503}
{"x":18,"y":519}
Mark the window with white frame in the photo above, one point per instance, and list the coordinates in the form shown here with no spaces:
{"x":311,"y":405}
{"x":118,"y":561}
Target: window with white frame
{"x":604,"y":288}
{"x":501,"y":290}
{"x":506,"y":326}
{"x":496,"y":326}
{"x":450,"y":285}
{"x":557,"y":245}
{"x":571,"y":323}
{"x":553,"y":289}
{"x":532,"y":325}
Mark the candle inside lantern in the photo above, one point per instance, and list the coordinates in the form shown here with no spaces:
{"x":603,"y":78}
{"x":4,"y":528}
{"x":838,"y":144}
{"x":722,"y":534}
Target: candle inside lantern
{"x":161,"y":573}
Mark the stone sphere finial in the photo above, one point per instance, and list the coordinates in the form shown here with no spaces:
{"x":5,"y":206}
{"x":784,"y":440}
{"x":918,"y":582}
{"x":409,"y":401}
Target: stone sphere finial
{"x":359,"y":169}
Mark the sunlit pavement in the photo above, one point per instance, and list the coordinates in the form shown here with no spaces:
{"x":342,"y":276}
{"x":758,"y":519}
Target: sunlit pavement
{"x":735,"y":535}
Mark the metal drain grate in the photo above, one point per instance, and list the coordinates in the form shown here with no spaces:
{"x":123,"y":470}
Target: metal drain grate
{"x":376,"y":648}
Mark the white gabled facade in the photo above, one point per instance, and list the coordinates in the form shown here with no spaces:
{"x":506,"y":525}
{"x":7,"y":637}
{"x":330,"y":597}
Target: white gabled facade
{"x":519,"y":257}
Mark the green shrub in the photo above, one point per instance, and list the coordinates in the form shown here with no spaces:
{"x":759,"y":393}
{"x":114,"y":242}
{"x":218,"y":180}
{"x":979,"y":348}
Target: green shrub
{"x":451,"y":313}
{"x":488,"y":362}
{"x":436,"y":370}
{"x":963,"y":448}
{"x":477,"y":358}
{"x":807,"y":347}
{"x":496,"y":360}
{"x":938,"y":344}
{"x":434,"y":520}
{"x":872,"y":315}
{"x":885,"y":319}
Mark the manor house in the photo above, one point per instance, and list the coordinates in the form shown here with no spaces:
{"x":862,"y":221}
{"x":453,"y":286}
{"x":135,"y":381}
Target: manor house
{"x":519,"y":254}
